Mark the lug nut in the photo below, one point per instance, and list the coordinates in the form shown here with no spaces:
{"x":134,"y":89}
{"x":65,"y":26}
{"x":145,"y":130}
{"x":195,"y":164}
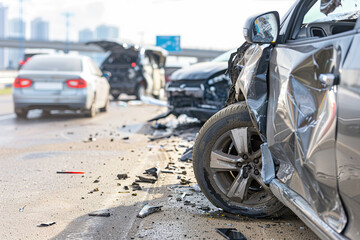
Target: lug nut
{"x":256,"y":172}
{"x":245,"y":157}
{"x":256,"y":160}
{"x":239,"y":164}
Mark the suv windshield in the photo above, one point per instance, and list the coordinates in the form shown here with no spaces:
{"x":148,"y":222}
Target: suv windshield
{"x":50,"y":63}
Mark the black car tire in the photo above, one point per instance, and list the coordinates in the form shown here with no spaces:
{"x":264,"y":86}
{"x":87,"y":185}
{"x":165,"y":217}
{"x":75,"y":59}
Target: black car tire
{"x":115,"y":95}
{"x":140,"y":90}
{"x":216,"y":184}
{"x":21,"y":113}
{"x":105,"y":108}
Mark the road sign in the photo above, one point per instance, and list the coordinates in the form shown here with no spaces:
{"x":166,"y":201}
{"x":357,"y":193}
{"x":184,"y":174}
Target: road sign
{"x":169,"y":43}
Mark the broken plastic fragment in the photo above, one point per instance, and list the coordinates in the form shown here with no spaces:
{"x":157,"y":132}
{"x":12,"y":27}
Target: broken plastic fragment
{"x":146,"y":180}
{"x":187,"y":156}
{"x":153,"y":171}
{"x":100,"y":214}
{"x":45,"y":224}
{"x":147,"y":210}
{"x":230,"y":233}
{"x":122,"y":176}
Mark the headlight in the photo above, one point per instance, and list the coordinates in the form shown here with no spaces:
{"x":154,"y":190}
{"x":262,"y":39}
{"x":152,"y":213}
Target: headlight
{"x":219,"y":78}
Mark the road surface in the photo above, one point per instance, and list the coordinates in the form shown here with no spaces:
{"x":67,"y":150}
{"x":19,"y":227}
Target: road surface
{"x":32,"y":192}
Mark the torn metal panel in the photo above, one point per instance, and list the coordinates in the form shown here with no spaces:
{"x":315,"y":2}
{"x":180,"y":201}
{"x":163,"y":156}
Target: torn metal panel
{"x":252,"y":84}
{"x":328,"y":6}
{"x":301,"y":124}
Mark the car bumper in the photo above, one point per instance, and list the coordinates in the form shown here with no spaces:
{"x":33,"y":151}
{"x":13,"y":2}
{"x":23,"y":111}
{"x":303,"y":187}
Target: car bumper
{"x":34,"y":100}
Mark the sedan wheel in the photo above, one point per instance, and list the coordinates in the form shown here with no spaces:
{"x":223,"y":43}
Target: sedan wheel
{"x":227,"y":164}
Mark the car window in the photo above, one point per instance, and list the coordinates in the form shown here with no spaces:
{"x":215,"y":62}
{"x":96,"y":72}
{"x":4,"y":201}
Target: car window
{"x":48,"y":63}
{"x":224,"y":57}
{"x":315,"y":24}
{"x":348,"y":10}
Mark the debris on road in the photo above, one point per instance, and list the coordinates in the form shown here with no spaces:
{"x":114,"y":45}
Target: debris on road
{"x":96,"y":181}
{"x":187,"y":155}
{"x":100,"y":214}
{"x":136,"y":186}
{"x":46,"y":224}
{"x":147,"y":210}
{"x":146,"y":180}
{"x":167,"y":135}
{"x":153,"y":171}
{"x":174,"y":172}
{"x":184,"y":181}
{"x":158,"y":126}
{"x":122,"y":176}
{"x":22,"y":209}
{"x":126,"y":188}
{"x":231,"y":233}
{"x":125,"y":138}
{"x":69,"y":172}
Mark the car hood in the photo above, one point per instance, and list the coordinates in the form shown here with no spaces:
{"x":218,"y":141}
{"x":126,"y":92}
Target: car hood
{"x":199,"y":71}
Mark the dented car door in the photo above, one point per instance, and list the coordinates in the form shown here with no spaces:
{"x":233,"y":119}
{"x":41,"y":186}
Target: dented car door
{"x":302,"y":120}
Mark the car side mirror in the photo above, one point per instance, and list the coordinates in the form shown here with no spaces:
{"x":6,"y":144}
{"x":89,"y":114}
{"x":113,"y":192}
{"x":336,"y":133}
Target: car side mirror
{"x":107,"y":75}
{"x":262,"y":28}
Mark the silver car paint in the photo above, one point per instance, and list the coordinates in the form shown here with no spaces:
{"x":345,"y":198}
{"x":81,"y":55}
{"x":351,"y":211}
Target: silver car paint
{"x":70,"y":98}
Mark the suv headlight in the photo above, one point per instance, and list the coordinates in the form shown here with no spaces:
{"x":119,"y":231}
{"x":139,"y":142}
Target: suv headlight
{"x":219,"y":78}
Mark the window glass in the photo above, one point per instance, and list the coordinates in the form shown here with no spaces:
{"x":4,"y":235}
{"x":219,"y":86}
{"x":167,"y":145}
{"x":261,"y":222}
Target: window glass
{"x":349,"y":9}
{"x":52,"y":63}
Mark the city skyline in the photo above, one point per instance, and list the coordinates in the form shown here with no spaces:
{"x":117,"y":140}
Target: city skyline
{"x":216,"y":26}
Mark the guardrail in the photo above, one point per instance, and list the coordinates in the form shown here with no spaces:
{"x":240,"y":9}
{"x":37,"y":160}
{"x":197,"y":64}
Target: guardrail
{"x":7,"y":78}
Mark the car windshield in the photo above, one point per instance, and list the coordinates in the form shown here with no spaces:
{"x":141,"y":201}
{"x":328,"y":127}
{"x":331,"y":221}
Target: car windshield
{"x":224,"y":57}
{"x":346,"y":11}
{"x":50,"y":63}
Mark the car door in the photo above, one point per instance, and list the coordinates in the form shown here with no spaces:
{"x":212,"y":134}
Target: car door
{"x":302,"y":109}
{"x":348,"y":137}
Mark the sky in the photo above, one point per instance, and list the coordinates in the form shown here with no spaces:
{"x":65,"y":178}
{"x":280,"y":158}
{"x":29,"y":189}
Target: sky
{"x":203,"y":24}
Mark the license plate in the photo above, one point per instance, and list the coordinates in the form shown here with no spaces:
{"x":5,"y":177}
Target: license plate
{"x":48,"y":86}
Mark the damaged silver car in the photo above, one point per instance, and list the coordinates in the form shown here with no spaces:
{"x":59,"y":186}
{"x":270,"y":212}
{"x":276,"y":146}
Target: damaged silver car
{"x":200,"y":90}
{"x":290,"y":136}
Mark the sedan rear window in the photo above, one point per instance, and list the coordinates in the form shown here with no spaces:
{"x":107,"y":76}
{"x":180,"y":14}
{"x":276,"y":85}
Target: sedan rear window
{"x":54,"y":64}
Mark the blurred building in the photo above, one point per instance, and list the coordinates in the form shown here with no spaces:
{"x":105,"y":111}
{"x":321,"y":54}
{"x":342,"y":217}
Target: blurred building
{"x":39,"y":30}
{"x":16,"y":31}
{"x":106,"y":32}
{"x":86,"y":35}
{"x":3,"y":34}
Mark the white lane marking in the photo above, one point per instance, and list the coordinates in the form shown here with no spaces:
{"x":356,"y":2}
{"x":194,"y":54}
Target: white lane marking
{"x":7,"y":116}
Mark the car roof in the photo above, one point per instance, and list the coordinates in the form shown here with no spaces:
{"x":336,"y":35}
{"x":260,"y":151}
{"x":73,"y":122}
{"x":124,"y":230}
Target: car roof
{"x":60,"y":56}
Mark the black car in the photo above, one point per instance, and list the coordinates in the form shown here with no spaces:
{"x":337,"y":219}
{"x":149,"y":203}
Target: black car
{"x":134,"y":70}
{"x":200,"y":90}
{"x":291,"y":138}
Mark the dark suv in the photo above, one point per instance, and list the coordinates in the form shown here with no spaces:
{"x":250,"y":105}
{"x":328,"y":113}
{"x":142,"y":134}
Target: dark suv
{"x":134,"y":70}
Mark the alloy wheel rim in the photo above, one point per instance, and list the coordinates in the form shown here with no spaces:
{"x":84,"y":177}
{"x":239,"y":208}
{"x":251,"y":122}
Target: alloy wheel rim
{"x":235,"y":163}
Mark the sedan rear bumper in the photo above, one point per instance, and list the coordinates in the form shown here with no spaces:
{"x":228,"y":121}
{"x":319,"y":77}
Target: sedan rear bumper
{"x":33,"y":101}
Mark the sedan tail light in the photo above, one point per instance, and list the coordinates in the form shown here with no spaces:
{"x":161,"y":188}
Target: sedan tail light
{"x":76,"y":83}
{"x":22,"y":82}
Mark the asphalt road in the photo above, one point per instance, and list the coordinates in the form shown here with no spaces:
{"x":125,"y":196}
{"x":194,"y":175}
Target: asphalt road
{"x":32,"y":192}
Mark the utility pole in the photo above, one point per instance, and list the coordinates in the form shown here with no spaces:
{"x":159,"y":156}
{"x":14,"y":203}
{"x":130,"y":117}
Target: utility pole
{"x":21,"y":30}
{"x":67,"y":24}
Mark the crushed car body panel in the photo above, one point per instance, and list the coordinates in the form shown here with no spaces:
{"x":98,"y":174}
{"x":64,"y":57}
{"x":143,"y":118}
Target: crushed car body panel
{"x":199,"y":91}
{"x":252,"y":84}
{"x":301,"y":124}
